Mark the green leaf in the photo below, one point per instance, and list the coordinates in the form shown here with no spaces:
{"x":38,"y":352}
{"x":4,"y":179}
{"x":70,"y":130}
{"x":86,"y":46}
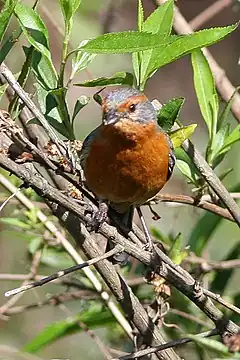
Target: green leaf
{"x":179,"y":46}
{"x":69,"y":7}
{"x":35,"y":245}
{"x":81,"y":60}
{"x":176,"y":254}
{"x":55,"y":258}
{"x":205,"y":90}
{"x":186,"y":166}
{"x":33,"y":28}
{"x":210,"y":344}
{"x":94,"y":317}
{"x":169,"y":113}
{"x":225,"y":113}
{"x":43,"y":70}
{"x":159,"y":22}
{"x":124,"y":42}
{"x":79,"y":105}
{"x":160,"y":236}
{"x":5,"y":16}
{"x":217,"y":144}
{"x":15,"y":222}
{"x":3,"y":88}
{"x":120,"y":78}
{"x":48,"y":105}
{"x":231,"y":139}
{"x":222,"y":278}
{"x":180,"y":135}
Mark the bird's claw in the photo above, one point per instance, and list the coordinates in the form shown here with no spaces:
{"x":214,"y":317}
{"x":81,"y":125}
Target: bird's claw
{"x":97,"y":217}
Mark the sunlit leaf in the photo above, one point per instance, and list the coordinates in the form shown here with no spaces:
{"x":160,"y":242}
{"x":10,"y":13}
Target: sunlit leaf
{"x":15,"y":222}
{"x":210,"y":344}
{"x":180,"y":135}
{"x":5,"y":16}
{"x":120,"y":78}
{"x":81,"y":60}
{"x":3,"y":88}
{"x":176,"y":253}
{"x":225,"y":113}
{"x":69,"y":7}
{"x":186,"y":166}
{"x":231,"y":139}
{"x":79,"y":105}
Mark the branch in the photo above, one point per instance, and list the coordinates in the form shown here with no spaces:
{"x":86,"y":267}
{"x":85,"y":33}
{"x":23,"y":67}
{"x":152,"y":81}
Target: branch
{"x":223,"y":84}
{"x":209,"y":13}
{"x":168,"y":345}
{"x":189,"y":200}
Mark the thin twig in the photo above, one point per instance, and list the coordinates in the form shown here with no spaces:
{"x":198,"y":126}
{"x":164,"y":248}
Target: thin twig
{"x":188,"y":316}
{"x":224,"y":86}
{"x":57,"y":275}
{"x":221,"y":301}
{"x":168,"y":345}
{"x":189,"y":200}
{"x":209,"y":13}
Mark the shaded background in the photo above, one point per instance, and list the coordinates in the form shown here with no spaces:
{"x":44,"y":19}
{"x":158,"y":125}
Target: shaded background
{"x":93,"y":18}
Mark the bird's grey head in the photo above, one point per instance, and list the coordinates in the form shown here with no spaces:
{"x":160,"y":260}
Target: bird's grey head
{"x":127,"y":104}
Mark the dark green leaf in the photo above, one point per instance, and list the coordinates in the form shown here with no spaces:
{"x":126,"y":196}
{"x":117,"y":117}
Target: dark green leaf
{"x":80,"y":103}
{"x":169,"y":113}
{"x":43,"y":70}
{"x":181,"y":45}
{"x":5,"y":16}
{"x":222,"y":278}
{"x":186,"y":166}
{"x":124,"y":42}
{"x":120,"y":78}
{"x":224,"y":115}
{"x":180,"y":135}
{"x":33,"y":28}
{"x":205,"y":90}
{"x":95,"y":317}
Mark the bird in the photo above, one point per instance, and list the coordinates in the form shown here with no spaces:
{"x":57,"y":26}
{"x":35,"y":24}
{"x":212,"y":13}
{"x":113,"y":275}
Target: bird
{"x":128,"y":158}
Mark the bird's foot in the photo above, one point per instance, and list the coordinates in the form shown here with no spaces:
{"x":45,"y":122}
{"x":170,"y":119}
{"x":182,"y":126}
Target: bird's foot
{"x":97,"y":217}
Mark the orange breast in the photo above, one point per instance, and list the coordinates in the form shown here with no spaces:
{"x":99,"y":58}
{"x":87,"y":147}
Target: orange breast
{"x":128,"y":163}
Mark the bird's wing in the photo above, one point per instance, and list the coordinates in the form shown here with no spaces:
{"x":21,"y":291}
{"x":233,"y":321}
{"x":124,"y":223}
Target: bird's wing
{"x":86,"y":146}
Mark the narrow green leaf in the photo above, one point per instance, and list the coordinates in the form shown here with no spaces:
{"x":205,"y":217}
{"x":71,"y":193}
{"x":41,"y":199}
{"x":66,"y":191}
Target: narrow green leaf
{"x":56,"y":259}
{"x":5,"y":16}
{"x":96,"y":317}
{"x":176,"y":253}
{"x":169,"y":113}
{"x":231,"y":139}
{"x":140,"y":15}
{"x":120,"y":78}
{"x":69,"y":7}
{"x":180,"y":135}
{"x":15,"y":222}
{"x":9,"y":43}
{"x":124,"y":42}
{"x":35,"y":245}
{"x":33,"y":28}
{"x":225,"y":113}
{"x":218,"y":142}
{"x":186,"y":166}
{"x":3,"y":88}
{"x":81,"y":60}
{"x":43,"y":70}
{"x":160,"y":20}
{"x":205,"y":89}
{"x":79,"y":105}
{"x":179,"y":46}
{"x":210,"y":344}
{"x":222,"y":278}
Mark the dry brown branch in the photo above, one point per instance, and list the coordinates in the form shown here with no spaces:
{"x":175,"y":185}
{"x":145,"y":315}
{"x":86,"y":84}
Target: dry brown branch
{"x":223,"y":84}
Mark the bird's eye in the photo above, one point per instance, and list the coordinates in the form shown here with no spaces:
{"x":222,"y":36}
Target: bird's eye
{"x":132,"y":107}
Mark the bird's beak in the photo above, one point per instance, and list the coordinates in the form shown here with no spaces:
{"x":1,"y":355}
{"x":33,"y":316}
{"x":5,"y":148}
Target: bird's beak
{"x":110,"y":117}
